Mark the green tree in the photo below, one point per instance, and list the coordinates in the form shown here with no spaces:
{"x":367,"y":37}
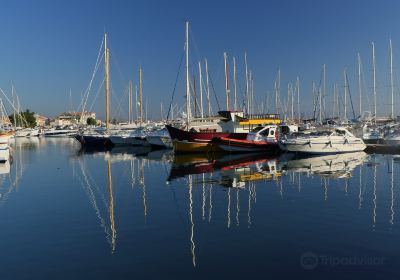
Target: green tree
{"x":24,"y":119}
{"x":91,"y":121}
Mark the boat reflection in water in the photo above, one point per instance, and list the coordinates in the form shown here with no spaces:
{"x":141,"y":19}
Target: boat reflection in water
{"x":235,"y":169}
{"x":334,"y":166}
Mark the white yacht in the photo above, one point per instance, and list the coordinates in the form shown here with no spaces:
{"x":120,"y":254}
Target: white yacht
{"x":335,"y":140}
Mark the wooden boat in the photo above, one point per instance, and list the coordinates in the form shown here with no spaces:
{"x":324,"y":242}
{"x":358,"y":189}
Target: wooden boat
{"x":261,"y":139}
{"x":194,"y":147}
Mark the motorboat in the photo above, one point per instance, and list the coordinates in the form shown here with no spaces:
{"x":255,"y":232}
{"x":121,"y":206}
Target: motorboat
{"x":333,"y":140}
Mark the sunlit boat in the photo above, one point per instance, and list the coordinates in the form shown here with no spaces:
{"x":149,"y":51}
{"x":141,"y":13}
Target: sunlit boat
{"x":335,"y":140}
{"x":260,"y":139}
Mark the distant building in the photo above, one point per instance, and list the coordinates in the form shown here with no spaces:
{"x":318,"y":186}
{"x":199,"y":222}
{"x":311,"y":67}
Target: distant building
{"x":72,"y":118}
{"x":41,"y":120}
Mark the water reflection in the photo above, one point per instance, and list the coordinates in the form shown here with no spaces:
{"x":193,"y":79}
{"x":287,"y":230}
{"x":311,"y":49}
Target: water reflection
{"x":332,"y":166}
{"x":217,"y":192}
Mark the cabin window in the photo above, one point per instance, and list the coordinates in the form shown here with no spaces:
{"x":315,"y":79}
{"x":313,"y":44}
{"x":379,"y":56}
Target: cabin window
{"x":272,"y":133}
{"x":265,"y":132}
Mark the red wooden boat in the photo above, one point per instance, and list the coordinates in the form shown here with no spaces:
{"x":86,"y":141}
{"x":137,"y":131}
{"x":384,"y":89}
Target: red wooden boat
{"x":202,"y":137}
{"x":246,"y":146}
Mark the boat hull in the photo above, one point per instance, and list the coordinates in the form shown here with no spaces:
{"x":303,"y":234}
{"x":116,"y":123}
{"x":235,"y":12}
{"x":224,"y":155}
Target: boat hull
{"x":189,"y":136}
{"x":128,"y":140}
{"x":4,"y":153}
{"x":322,"y":147}
{"x":194,"y":147}
{"x":94,"y":140}
{"x":160,"y":141}
{"x":246,"y":146}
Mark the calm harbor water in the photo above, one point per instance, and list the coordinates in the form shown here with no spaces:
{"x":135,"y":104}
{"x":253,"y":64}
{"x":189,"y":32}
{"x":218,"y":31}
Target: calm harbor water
{"x":135,"y":213}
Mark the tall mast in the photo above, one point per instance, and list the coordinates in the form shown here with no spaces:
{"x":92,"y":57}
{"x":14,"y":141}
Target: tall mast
{"x":208,"y":90}
{"x":324,"y":89}
{"x":359,"y":81}
{"x":234,"y":84}
{"x":136,"y":103}
{"x":141,"y":95}
{"x":277,"y":91}
{"x":107,"y":81}
{"x":292,"y":101}
{"x":320,"y":104}
{"x":201,"y":91}
{"x":250,"y":96}
{"x":345,"y":95}
{"x":226,"y":82}
{"x":391,"y":78}
{"x":298,"y":97}
{"x":247,"y":82}
{"x":188,"y":113}
{"x":195,"y":96}
{"x":130,"y":103}
{"x":374,"y":77}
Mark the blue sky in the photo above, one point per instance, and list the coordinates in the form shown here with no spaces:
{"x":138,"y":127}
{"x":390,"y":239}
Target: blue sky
{"x":50,"y":47}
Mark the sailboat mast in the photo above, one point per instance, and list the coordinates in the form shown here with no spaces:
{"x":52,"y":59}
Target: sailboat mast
{"x":136,"y":103}
{"x":107,"y":81}
{"x":226,"y":82}
{"x":391,"y":78}
{"x":247,"y":82}
{"x":359,"y":81}
{"x":208,"y":90}
{"x":234,"y":84}
{"x":201,"y":91}
{"x":374,"y":77}
{"x":345,"y":94}
{"x":188,"y":113}
{"x":298,"y":98}
{"x":141,"y":95}
{"x":130,"y":103}
{"x":324,"y":89}
{"x":195,"y":96}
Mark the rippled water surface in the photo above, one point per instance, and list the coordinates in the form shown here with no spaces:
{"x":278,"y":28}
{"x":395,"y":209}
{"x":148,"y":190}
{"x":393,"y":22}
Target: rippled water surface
{"x":134,"y":213}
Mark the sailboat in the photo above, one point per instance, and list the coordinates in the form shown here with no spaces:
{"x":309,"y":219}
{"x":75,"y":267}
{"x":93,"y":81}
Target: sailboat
{"x":93,"y":138}
{"x":199,"y":133}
